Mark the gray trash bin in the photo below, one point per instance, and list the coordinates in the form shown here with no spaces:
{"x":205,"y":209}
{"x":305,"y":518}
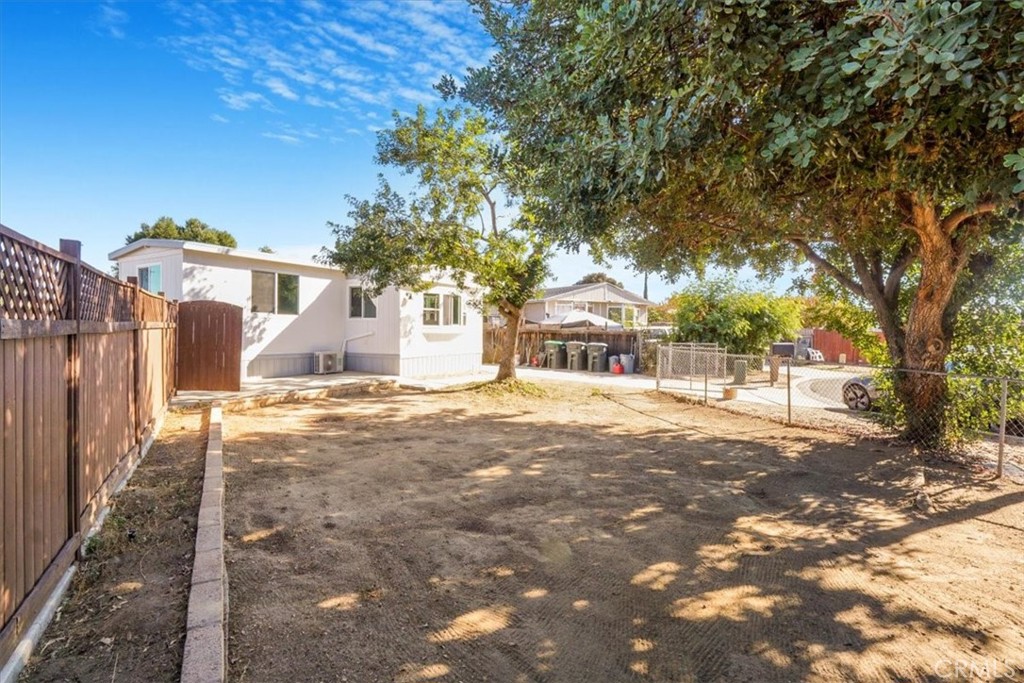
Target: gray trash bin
{"x":612,"y":361}
{"x":597,"y":357}
{"x":577,"y":355}
{"x":554,"y":355}
{"x":740,"y":372}
{"x":627,"y":361}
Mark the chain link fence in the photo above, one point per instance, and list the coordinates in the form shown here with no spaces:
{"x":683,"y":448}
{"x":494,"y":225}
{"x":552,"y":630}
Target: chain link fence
{"x":959,"y":414}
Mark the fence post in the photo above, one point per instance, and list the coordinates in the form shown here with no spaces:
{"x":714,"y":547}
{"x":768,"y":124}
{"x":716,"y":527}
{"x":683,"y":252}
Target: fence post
{"x":657,"y":363}
{"x":136,"y":361}
{"x":73,"y":248}
{"x":1002,"y":426}
{"x":705,"y":384}
{"x":671,"y":366}
{"x":789,"y":391}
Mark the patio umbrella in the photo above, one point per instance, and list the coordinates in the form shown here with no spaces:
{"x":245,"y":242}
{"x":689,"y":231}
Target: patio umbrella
{"x":580,"y":319}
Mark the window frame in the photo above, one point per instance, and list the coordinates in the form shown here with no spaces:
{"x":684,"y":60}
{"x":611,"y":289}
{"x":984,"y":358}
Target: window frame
{"x":436,"y":309}
{"x":364,"y":300}
{"x":452,"y":312}
{"x":149,"y":268}
{"x":277,"y":294}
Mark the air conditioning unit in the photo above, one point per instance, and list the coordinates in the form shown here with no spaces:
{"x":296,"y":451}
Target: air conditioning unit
{"x":326,"y":362}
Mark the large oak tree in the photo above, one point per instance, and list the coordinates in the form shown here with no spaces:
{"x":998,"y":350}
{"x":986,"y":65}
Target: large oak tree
{"x":881,"y":141}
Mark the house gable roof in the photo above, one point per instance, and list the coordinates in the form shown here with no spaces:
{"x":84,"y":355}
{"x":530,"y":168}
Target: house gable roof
{"x":576,"y":292}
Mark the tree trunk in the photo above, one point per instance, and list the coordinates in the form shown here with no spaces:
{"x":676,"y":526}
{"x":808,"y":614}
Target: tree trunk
{"x":929,"y":331}
{"x":509,"y":351}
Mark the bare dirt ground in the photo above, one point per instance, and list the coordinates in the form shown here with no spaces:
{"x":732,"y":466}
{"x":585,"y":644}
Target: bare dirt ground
{"x":123,"y":618}
{"x":474,"y":536}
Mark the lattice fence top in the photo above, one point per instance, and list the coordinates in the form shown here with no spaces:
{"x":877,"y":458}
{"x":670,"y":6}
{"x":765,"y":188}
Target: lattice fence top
{"x":104,"y":298}
{"x":33,"y":282}
{"x":36,"y":283}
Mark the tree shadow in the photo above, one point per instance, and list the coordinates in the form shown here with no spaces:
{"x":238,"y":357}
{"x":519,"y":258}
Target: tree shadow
{"x":509,"y":541}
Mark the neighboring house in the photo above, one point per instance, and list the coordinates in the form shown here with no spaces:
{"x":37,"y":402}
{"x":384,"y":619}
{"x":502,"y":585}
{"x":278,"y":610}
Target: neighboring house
{"x":291,"y":309}
{"x":601,"y":298}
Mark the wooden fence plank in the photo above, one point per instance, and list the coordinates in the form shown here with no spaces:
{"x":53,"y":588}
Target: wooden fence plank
{"x":19,"y":473}
{"x":5,"y":521}
{"x":68,"y":400}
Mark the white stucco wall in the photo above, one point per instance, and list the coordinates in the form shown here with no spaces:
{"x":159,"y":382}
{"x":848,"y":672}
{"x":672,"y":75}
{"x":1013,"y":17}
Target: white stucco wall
{"x":439,"y":350}
{"x":318,"y":326}
{"x":170,"y":267}
{"x":283,"y":344}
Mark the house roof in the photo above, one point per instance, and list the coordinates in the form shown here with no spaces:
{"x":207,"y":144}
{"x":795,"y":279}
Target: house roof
{"x":213,"y":249}
{"x":554,"y":293}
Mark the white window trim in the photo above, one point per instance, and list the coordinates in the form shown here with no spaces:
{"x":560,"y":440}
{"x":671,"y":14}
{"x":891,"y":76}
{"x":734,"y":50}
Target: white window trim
{"x":364,"y":298}
{"x":147,"y":266}
{"x":444,"y":300}
{"x":276,"y":299}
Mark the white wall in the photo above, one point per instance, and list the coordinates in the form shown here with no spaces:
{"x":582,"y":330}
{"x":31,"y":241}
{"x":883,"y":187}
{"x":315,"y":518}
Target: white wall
{"x":170,"y":267}
{"x":435,"y":350}
{"x":323,"y":305}
{"x":385,"y":337}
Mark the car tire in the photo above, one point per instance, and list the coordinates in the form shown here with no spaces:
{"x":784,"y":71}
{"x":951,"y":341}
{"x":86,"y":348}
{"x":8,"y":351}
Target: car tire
{"x":856,"y":397}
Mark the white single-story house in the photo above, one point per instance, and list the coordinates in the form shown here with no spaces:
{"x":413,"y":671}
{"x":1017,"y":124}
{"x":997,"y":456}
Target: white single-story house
{"x":601,"y":298}
{"x":293,"y":309}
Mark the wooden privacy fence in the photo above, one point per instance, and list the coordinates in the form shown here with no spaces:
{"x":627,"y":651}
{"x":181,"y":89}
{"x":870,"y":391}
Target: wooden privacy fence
{"x":532,"y":338}
{"x":86,"y":370}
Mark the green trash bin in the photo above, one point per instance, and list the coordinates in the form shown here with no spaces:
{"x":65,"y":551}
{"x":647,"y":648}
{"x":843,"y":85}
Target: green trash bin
{"x":597,"y":357}
{"x":577,"y":355}
{"x":555,"y":355}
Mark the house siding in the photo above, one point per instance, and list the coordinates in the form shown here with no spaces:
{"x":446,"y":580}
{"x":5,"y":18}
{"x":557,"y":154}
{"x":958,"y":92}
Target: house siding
{"x":274,"y":343}
{"x":281,"y":345}
{"x":170,"y":261}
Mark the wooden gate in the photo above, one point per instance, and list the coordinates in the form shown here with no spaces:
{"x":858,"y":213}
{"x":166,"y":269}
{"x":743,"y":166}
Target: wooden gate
{"x":209,"y":346}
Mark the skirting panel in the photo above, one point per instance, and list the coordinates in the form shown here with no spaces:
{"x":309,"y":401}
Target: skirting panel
{"x":440,"y":365}
{"x":377,"y":363}
{"x":280,"y":365}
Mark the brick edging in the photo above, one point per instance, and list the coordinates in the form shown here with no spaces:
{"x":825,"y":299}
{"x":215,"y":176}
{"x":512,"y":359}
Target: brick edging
{"x":205,"y":658}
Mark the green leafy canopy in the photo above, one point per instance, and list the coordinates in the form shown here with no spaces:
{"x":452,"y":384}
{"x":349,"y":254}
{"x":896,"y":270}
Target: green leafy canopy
{"x":194,"y":230}
{"x":453,"y":224}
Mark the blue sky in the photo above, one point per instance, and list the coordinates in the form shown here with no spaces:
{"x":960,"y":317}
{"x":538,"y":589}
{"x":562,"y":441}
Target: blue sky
{"x":257,"y":118}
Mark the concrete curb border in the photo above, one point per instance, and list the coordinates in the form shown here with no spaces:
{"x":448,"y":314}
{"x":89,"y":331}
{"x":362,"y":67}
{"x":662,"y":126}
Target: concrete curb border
{"x":296,"y":395}
{"x":205,"y":657}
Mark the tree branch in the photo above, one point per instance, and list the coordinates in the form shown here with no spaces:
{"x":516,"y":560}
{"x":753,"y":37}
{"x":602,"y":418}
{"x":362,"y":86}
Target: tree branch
{"x":951,"y":222}
{"x":823,"y":263}
{"x":905,"y":256}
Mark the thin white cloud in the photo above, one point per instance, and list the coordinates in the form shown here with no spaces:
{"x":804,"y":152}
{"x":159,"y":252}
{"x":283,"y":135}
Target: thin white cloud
{"x":362,"y":40}
{"x":242,"y":101}
{"x":110,"y":20}
{"x":278,"y":87}
{"x":314,"y":101}
{"x":219,"y":119}
{"x":289,"y":139}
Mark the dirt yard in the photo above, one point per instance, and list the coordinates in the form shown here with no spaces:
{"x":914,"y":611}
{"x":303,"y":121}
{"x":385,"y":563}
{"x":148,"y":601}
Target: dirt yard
{"x":124,"y":616}
{"x":580,"y":536}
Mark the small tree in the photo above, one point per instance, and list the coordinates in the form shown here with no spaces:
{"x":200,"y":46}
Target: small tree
{"x":453,"y":226}
{"x":266,"y":249}
{"x":592,"y":278}
{"x":742,"y":321}
{"x":194,"y":230}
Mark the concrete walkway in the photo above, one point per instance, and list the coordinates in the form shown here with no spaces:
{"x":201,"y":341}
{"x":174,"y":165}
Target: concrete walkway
{"x":258,"y":388}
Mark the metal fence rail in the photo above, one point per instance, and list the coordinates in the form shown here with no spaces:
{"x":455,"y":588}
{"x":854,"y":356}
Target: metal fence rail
{"x":976,"y":416}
